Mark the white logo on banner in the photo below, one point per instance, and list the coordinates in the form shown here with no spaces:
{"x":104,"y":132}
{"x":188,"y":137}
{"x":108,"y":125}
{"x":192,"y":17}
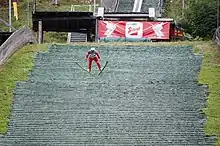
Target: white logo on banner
{"x":110,"y":27}
{"x":134,"y":30}
{"x":158,"y":30}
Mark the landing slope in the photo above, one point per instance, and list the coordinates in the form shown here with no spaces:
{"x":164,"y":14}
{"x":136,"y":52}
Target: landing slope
{"x":146,"y":96}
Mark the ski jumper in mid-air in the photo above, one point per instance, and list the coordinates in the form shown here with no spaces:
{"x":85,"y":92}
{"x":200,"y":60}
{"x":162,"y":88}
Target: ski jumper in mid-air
{"x":93,"y":55}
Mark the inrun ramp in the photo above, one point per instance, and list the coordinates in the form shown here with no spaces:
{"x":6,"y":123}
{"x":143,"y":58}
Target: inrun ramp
{"x":157,"y":4}
{"x":125,"y":5}
{"x":146,"y":96}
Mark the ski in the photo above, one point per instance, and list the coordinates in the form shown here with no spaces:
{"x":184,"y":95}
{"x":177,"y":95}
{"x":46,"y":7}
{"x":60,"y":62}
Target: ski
{"x":84,"y":68}
{"x":90,"y":72}
{"x":103,"y":67}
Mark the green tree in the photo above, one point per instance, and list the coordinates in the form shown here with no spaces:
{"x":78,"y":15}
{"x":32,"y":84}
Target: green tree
{"x":200,"y":17}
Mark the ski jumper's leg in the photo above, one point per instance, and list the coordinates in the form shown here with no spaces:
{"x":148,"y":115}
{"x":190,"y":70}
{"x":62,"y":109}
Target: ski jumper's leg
{"x":97,"y":62}
{"x":90,"y":63}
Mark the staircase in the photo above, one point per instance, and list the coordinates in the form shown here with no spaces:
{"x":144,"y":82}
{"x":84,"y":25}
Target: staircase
{"x":77,"y":37}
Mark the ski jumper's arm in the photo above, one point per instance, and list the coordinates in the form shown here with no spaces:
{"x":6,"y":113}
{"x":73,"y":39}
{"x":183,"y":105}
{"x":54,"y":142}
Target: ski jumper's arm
{"x":87,"y":54}
{"x":97,"y":53}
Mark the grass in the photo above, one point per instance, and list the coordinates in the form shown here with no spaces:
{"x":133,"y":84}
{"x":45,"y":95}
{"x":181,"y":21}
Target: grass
{"x":210,"y":75}
{"x":15,"y":69}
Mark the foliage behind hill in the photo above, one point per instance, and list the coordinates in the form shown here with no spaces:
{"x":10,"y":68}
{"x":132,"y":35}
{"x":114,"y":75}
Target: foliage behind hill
{"x":199,"y":17}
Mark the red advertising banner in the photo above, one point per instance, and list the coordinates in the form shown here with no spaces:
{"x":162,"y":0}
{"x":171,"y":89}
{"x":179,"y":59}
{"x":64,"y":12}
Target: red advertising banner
{"x":123,"y":29}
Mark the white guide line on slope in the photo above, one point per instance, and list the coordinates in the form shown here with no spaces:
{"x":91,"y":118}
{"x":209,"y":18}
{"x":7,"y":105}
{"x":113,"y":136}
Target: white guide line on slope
{"x":137,"y":6}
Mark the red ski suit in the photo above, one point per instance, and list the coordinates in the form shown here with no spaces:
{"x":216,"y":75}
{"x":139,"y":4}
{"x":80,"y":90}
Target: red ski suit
{"x":93,"y":56}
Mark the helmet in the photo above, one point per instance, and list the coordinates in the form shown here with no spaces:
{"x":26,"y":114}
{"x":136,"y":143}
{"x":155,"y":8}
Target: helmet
{"x":92,"y":49}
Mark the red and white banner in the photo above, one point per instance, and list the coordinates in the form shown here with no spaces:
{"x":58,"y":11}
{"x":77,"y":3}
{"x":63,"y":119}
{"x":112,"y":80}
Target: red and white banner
{"x":123,"y":29}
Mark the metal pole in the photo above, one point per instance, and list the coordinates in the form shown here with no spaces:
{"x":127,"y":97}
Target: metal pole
{"x":218,"y":5}
{"x":90,"y":8}
{"x":96,"y":30}
{"x":34,"y":6}
{"x":40,"y":32}
{"x":183,"y":6}
{"x":9,"y":15}
{"x":28,"y":11}
{"x":94,"y":7}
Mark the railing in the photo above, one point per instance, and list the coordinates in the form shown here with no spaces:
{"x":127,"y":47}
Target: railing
{"x":6,"y":24}
{"x":16,"y":41}
{"x":116,"y":3}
